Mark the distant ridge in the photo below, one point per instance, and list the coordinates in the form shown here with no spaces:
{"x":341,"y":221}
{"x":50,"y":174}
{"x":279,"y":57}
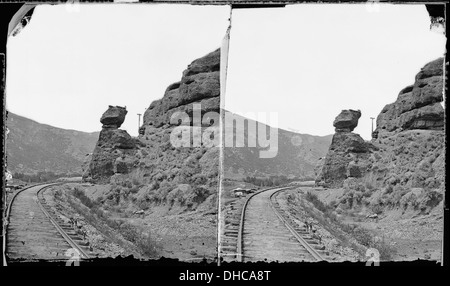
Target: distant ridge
{"x":298,"y":155}
{"x":32,"y":147}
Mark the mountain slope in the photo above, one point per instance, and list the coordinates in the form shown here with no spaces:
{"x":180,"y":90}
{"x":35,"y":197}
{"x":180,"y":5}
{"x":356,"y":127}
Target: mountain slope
{"x":297,"y":154}
{"x":33,"y":147}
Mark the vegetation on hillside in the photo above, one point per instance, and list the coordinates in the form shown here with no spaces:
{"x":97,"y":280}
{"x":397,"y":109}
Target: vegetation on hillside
{"x":330,"y":220}
{"x":43,"y":176}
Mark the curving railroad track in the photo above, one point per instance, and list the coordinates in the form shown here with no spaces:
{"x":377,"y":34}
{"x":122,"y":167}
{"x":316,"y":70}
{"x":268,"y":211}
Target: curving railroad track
{"x":34,"y":231}
{"x":264,"y":232}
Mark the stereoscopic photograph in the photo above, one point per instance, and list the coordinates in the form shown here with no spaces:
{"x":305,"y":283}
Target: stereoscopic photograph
{"x":307,"y":133}
{"x":334,"y":135}
{"x":95,"y":97}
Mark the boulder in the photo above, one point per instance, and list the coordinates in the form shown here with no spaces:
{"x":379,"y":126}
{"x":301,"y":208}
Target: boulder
{"x":115,"y":139}
{"x":347,"y":120}
{"x":113,"y":117}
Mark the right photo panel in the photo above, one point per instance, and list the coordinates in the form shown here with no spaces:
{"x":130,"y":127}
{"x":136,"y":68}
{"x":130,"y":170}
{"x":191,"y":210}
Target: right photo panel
{"x":333,"y":135}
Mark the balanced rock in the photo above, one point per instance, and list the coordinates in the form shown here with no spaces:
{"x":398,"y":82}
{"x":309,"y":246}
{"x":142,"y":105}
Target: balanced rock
{"x":112,"y":143}
{"x":347,"y":120}
{"x":347,"y":157}
{"x":348,"y":154}
{"x":113,"y":117}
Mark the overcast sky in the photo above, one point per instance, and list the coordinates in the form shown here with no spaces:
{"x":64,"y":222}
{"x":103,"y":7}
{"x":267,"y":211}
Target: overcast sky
{"x":308,"y":62}
{"x":67,"y":66}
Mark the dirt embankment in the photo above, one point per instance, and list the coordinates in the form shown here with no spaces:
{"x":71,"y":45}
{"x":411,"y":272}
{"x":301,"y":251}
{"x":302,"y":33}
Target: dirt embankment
{"x":158,"y":231}
{"x":411,"y":235}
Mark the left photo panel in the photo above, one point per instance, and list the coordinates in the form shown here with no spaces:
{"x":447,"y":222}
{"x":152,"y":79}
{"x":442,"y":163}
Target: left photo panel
{"x":112,"y":132}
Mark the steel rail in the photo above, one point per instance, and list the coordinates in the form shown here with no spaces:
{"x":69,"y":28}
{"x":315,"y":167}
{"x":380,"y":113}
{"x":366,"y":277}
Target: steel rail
{"x":69,"y":240}
{"x":240,"y":238}
{"x":300,"y":239}
{"x":55,"y":224}
{"x":7,"y":216}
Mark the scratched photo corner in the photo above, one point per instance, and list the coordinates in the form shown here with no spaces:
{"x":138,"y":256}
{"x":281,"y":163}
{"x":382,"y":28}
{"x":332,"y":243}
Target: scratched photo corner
{"x":99,"y":99}
{"x":333,"y":134}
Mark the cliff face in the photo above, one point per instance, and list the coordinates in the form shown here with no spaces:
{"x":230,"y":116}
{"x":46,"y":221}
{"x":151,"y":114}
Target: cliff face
{"x":410,"y":133}
{"x":417,"y":106}
{"x":199,"y":84}
{"x":405,"y":167}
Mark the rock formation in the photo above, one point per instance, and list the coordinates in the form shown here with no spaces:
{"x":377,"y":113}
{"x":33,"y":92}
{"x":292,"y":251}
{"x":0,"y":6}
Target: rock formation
{"x":347,"y":120}
{"x":348,"y":152}
{"x":410,"y":133}
{"x":113,"y":117}
{"x":200,"y":83}
{"x":404,"y":164}
{"x":159,"y":173}
{"x":180,"y":177}
{"x":115,"y":149}
{"x":417,"y":106}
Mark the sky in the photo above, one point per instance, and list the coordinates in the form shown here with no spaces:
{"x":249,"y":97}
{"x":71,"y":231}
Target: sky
{"x":309,"y":62}
{"x":67,"y":65}
{"x":305,"y":62}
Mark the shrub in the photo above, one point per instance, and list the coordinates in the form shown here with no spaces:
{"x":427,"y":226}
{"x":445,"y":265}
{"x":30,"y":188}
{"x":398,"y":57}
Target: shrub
{"x":369,"y":186}
{"x":386,"y":251}
{"x":136,"y":182}
{"x":388,"y":189}
{"x":200,"y":195}
{"x":134,"y":189}
{"x":377,"y":209}
{"x":79,"y":194}
{"x":316,"y":202}
{"x":362,"y":235}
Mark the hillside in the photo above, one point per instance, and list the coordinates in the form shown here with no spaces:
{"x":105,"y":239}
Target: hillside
{"x":32,"y":147}
{"x":297,"y":154}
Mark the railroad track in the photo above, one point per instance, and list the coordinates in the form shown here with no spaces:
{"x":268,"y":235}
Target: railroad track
{"x":34,"y":231}
{"x":264,"y":232}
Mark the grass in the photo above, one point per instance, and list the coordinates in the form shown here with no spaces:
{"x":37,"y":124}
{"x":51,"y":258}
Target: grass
{"x":361,"y":235}
{"x":143,"y":241}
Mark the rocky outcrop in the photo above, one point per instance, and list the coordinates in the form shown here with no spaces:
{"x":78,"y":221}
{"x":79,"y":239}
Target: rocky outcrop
{"x":199,"y":84}
{"x":348,"y":153}
{"x":347,"y":120}
{"x":114,"y":148}
{"x":178,"y":178}
{"x":411,"y":135}
{"x":417,"y":106}
{"x":404,"y":170}
{"x":113,"y":117}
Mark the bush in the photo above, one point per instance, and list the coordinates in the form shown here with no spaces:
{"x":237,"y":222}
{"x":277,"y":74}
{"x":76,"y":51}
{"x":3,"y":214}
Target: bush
{"x":136,"y":182}
{"x":362,"y":235}
{"x":79,"y":194}
{"x":316,"y":202}
{"x":369,"y":186}
{"x":200,"y":195}
{"x":388,"y":189}
{"x":377,"y":209}
{"x":147,"y":245}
